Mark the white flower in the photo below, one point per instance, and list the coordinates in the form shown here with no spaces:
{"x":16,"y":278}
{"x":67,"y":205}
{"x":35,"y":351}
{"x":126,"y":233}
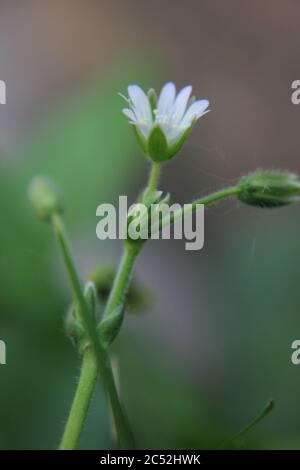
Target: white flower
{"x":163,"y":126}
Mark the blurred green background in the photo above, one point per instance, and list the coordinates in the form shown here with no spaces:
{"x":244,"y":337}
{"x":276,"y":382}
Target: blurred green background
{"x":214,"y":343}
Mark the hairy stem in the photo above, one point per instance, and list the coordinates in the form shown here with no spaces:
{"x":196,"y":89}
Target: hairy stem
{"x":101,"y":357}
{"x":123,"y":278}
{"x":205,"y":200}
{"x":153,"y":178}
{"x":214,"y":197}
{"x":80,"y":405}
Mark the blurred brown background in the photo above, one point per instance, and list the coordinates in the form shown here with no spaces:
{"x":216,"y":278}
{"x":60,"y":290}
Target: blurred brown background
{"x":242,"y":56}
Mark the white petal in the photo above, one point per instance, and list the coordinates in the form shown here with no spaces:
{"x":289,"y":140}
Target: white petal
{"x":181,"y":104}
{"x":142,"y":125}
{"x":129,"y":113}
{"x":145,"y":129}
{"x":195,"y":111}
{"x":140,"y":103}
{"x":166,"y":99}
{"x":174,"y":135}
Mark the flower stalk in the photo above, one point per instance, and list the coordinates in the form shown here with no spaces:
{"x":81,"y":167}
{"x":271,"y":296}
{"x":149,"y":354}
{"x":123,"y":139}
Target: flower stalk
{"x":153,"y":178}
{"x":81,"y":402}
{"x":102,"y":360}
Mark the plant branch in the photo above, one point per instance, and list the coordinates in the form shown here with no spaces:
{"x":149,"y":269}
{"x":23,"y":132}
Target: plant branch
{"x":188,"y":208}
{"x":103,"y":363}
{"x":122,"y":279}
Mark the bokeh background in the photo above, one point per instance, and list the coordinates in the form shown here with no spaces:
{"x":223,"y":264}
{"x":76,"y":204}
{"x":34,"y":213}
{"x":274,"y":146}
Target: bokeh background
{"x":213,"y":343}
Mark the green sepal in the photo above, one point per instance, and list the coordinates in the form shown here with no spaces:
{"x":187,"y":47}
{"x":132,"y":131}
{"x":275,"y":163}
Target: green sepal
{"x":152,"y":198}
{"x":141,"y":139}
{"x":110,"y":326}
{"x":157,"y":145}
{"x":176,"y":147}
{"x":137,"y":299}
{"x":73,"y":325}
{"x":90,"y":295}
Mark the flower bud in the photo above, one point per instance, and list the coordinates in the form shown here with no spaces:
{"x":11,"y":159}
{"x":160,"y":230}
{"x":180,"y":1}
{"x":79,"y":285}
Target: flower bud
{"x":45,"y":197}
{"x":269,"y":189}
{"x":137,"y":299}
{"x":90,"y":295}
{"x":109,"y":327}
{"x":73,"y":327}
{"x":73,"y":324}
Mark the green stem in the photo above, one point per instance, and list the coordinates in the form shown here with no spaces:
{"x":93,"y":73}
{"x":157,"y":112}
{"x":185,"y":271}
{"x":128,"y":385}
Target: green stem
{"x":187,"y":209}
{"x":214,"y":197}
{"x":153,"y":178}
{"x":103,"y":363}
{"x":74,"y":279}
{"x":80,"y":405}
{"x":209,"y":199}
{"x":123,"y":278}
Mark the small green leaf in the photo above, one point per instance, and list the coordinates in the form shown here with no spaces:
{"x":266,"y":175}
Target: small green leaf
{"x":140,"y":138}
{"x":73,"y":327}
{"x":138,"y":298}
{"x":90,"y":294}
{"x":265,"y":412}
{"x":109,"y":327}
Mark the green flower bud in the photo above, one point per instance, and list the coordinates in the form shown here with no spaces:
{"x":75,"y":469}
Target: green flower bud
{"x":269,"y":189}
{"x":73,"y":324}
{"x":90,"y":295}
{"x":45,"y":197}
{"x":137,"y":299}
{"x":73,"y":327}
{"x":110,"y":326}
